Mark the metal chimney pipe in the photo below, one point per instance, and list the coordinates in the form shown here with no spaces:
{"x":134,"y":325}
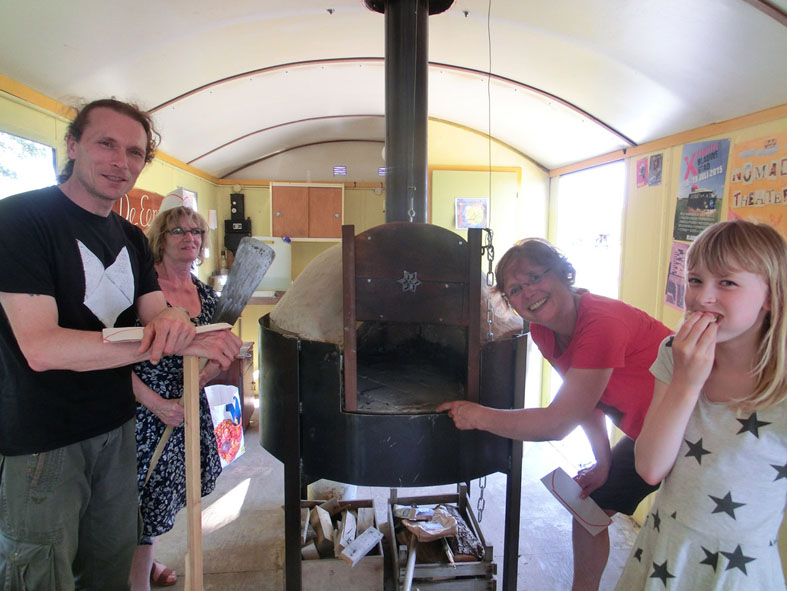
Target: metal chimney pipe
{"x":406,"y":104}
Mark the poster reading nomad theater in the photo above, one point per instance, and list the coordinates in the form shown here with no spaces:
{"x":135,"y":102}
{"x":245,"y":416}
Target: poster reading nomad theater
{"x":758,"y":180}
{"x":700,"y":188}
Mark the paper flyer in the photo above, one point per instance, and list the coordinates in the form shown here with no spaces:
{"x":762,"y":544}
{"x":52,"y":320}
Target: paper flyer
{"x":567,"y":492}
{"x":758,"y":180}
{"x":642,"y":172}
{"x":700,"y":187}
{"x":654,"y":172}
{"x":676,"y":284}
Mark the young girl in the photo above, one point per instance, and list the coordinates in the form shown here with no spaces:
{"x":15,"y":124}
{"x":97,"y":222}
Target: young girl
{"x":716,"y":431}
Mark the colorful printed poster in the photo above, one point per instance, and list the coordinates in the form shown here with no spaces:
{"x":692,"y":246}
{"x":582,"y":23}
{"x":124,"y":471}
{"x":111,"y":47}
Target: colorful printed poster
{"x":472,"y":212}
{"x":758,"y":180}
{"x":654,"y":173}
{"x":676,"y":286}
{"x":642,"y":172}
{"x":700,"y":187}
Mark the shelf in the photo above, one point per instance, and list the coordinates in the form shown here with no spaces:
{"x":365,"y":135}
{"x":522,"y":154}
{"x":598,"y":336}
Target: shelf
{"x":265,"y":298}
{"x":315,"y":239}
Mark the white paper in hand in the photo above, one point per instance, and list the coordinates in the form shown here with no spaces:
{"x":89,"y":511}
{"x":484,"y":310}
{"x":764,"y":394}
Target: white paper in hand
{"x":130,"y":334}
{"x":585,"y":511}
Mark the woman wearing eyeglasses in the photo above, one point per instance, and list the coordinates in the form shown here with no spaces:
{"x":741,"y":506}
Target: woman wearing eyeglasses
{"x":176,"y":238}
{"x":603,"y":350}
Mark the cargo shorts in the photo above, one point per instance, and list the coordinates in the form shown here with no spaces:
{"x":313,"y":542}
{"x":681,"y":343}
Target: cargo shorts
{"x":68,"y":517}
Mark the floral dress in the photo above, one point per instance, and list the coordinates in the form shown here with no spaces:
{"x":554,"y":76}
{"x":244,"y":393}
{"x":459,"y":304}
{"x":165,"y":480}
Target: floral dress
{"x":165,"y":493}
{"x":715,"y":522}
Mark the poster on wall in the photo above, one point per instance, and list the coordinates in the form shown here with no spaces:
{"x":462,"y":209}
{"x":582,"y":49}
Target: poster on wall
{"x":139,"y":207}
{"x":472,"y":212}
{"x":700,"y":187}
{"x":642,"y":172}
{"x":676,"y":287}
{"x":654,"y":171}
{"x":758,"y":180}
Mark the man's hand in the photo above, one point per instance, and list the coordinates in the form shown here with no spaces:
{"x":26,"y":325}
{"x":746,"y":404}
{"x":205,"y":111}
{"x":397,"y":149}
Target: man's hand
{"x":169,"y":333}
{"x":221,"y":346}
{"x":465,"y":414}
{"x":591,"y":478}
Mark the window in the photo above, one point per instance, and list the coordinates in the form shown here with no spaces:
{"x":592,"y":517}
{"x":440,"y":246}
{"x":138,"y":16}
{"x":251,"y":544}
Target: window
{"x":24,"y":165}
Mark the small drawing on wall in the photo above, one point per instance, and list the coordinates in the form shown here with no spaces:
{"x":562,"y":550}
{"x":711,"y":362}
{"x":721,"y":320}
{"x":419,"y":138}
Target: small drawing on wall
{"x":654,"y":174}
{"x":642,"y":172}
{"x":472,"y":212}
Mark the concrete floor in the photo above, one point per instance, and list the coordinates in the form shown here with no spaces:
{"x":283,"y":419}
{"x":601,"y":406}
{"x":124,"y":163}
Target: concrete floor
{"x":243,"y":525}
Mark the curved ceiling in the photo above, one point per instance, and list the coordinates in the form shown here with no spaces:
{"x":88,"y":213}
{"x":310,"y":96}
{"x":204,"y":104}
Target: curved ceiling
{"x":232,"y":84}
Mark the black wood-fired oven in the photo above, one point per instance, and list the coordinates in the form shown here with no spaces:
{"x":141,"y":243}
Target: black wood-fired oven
{"x":399,"y":365}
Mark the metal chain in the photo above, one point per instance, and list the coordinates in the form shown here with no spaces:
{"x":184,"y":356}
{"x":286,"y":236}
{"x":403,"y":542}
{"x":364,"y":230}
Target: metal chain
{"x":481,"y":500}
{"x":411,"y":211}
{"x":489,"y":248}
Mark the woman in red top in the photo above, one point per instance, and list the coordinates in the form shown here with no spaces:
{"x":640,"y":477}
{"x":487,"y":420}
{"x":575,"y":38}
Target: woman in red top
{"x":603,"y":350}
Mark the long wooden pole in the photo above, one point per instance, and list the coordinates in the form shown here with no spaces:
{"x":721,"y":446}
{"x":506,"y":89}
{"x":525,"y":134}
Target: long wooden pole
{"x":194,"y":573}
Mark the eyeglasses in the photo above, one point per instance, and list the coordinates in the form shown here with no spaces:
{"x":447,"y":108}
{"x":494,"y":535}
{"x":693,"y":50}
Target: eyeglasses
{"x":532,"y":279}
{"x":178,"y":231}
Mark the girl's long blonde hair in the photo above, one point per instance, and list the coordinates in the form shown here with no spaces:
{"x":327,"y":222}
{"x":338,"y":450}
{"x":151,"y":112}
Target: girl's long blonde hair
{"x":757,"y":248}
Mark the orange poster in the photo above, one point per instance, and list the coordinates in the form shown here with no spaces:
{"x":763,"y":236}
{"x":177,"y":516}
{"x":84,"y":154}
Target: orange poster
{"x":758,"y":180}
{"x":139,"y":207}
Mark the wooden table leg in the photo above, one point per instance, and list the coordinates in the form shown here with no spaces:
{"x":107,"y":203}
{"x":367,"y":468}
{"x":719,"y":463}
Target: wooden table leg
{"x":194,"y":580}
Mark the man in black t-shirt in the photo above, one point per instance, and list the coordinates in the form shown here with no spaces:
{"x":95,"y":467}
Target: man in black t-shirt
{"x":71,"y":267}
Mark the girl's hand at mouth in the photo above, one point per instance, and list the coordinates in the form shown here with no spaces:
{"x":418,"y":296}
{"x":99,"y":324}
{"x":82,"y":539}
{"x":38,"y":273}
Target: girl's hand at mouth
{"x":694,"y":348}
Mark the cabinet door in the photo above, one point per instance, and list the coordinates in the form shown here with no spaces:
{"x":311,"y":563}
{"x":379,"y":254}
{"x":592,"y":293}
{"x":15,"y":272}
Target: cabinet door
{"x":325,"y":212}
{"x":290,"y":211}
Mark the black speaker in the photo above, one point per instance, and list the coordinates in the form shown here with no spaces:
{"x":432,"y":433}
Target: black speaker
{"x":234,"y":230}
{"x":237,"y":208}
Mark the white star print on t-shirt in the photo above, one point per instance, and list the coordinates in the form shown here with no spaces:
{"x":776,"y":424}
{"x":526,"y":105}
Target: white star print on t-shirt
{"x":108,"y":291}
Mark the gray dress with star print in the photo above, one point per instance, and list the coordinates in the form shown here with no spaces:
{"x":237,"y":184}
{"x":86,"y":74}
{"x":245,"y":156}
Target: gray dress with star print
{"x":715,"y":521}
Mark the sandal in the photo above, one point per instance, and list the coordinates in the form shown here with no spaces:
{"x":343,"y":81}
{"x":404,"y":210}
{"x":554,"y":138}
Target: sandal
{"x":162,"y":576}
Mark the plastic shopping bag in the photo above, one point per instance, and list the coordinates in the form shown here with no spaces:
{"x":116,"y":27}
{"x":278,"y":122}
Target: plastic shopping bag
{"x":225,"y":409}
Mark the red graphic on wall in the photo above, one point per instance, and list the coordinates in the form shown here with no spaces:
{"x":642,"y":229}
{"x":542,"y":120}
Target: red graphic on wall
{"x":139,"y":207}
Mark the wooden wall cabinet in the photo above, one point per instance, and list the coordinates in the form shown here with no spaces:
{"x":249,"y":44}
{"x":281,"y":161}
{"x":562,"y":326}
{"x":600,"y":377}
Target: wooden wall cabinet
{"x":303,"y":211}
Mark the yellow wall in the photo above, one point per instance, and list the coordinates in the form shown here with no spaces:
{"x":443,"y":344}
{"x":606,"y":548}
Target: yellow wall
{"x":34,"y":123}
{"x":649,"y":216}
{"x":504,"y":204}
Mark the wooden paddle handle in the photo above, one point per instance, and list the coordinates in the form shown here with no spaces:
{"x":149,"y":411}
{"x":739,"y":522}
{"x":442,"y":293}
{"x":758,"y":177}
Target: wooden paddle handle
{"x":191,"y":369}
{"x":168,"y":430}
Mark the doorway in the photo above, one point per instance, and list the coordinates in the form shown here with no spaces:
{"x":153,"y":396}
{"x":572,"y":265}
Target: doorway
{"x":588,"y":230}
